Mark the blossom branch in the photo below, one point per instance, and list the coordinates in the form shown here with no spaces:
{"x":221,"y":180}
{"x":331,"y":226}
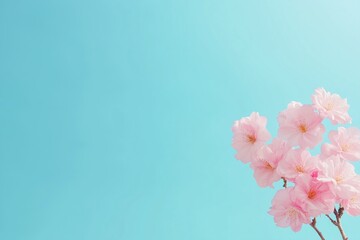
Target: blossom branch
{"x":285,"y":182}
{"x":338,"y":214}
{"x":308,"y":189}
{"x":332,"y":220}
{"x":313,"y":225}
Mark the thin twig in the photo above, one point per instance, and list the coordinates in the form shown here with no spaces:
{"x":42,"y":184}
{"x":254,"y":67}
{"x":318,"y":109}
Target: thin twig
{"x":341,"y":211}
{"x":332,"y":220}
{"x":285,"y":182}
{"x":313,"y":225}
{"x":338,"y":215}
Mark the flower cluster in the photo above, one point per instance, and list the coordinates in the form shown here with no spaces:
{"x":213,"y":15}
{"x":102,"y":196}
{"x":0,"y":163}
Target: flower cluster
{"x":317,"y":183}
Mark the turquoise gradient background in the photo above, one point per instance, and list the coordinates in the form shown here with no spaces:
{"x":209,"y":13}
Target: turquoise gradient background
{"x":116,"y":115}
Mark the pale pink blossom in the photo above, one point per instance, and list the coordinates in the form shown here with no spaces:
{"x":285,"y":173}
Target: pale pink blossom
{"x":313,"y":185}
{"x":266,"y":162}
{"x":300,"y":125}
{"x":351,"y":203}
{"x":340,"y":173}
{"x":345,"y":143}
{"x":288,"y":211}
{"x":294,"y":104}
{"x":250,"y":134}
{"x":317,"y":196}
{"x":297,"y":162}
{"x":279,"y":149}
{"x":264,"y":167}
{"x":331,"y":106}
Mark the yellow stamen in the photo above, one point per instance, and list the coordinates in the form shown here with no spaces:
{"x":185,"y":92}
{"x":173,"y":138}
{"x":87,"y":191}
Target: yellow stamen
{"x":345,"y":148}
{"x":268,"y":166}
{"x":303,"y":128}
{"x":251,"y":139}
{"x":311,"y":194}
{"x":329,"y":106}
{"x":292,"y":213}
{"x":299,"y":169}
{"x":339,"y":179}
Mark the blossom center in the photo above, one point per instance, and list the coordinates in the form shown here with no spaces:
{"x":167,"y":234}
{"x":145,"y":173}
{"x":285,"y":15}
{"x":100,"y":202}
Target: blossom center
{"x":299,"y":169}
{"x":268,"y":166}
{"x":339,"y":179}
{"x":345,"y":147}
{"x":302,"y":128}
{"x":311,"y":194}
{"x":292,"y":213}
{"x":251,"y":138}
{"x":329,"y":106}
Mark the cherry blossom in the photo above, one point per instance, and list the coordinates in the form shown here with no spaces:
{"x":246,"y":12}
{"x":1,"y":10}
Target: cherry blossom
{"x":345,"y":143}
{"x":351,"y":203}
{"x":300,"y":126}
{"x":288,"y":211}
{"x":264,"y":167}
{"x":340,"y":173}
{"x":297,"y":162}
{"x":279,"y":149}
{"x":331,"y":106}
{"x":316,"y":195}
{"x":266,"y":162}
{"x":250,"y":134}
{"x":324,"y":184}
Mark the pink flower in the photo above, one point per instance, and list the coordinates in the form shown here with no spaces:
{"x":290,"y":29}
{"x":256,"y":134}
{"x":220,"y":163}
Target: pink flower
{"x":279,"y":149}
{"x":331,"y":106}
{"x":300,"y":125}
{"x":264,"y":167}
{"x":351,"y":203}
{"x":287,"y":210}
{"x":266,"y":162}
{"x":296,"y":163}
{"x":340,"y":173}
{"x":317,"y":196}
{"x":250,"y":134}
{"x":345,"y":143}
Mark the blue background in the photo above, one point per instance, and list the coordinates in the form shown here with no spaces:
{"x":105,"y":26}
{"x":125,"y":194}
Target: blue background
{"x":116,"y":115}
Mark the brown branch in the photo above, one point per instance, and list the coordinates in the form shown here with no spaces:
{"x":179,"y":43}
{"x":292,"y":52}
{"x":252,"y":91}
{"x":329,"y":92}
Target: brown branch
{"x":338,"y":215}
{"x":313,"y":225}
{"x":341,"y":211}
{"x":332,"y":220}
{"x":285,"y":182}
